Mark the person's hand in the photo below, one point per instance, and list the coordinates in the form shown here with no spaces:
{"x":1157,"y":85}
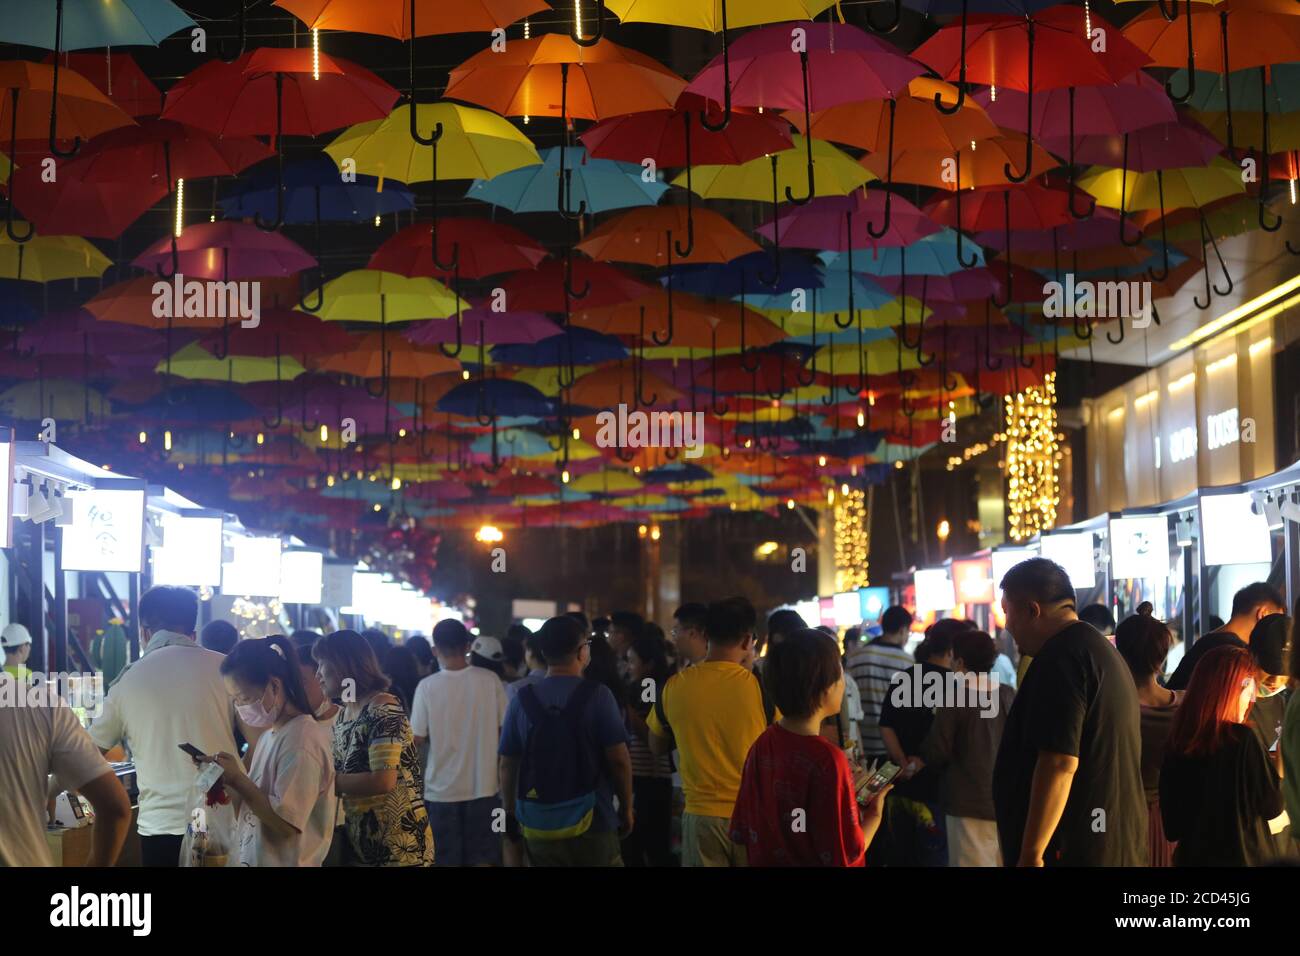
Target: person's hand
{"x":512,"y":852}
{"x":626,"y":822}
{"x":1029,"y":860}
{"x":234,"y":773}
{"x":872,"y":805}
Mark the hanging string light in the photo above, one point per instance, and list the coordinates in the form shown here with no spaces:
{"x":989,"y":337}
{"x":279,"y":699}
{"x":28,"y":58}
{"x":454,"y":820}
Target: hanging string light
{"x":180,"y":207}
{"x":315,"y":54}
{"x":852,"y":541}
{"x":1087,"y":21}
{"x":1033,"y":459}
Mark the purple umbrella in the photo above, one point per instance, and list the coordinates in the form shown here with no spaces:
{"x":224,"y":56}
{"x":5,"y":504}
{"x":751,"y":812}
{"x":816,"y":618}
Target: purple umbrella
{"x":501,"y":328}
{"x":225,"y":251}
{"x":958,"y":287}
{"x":1174,"y":145}
{"x":78,"y":333}
{"x":840,"y":222}
{"x":1076,"y":236}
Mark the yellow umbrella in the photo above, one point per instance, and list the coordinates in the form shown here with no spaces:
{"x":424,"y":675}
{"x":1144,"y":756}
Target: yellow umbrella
{"x":60,"y":399}
{"x":195,"y":362}
{"x":888,"y":316}
{"x":1189,"y":187}
{"x":879,"y":358}
{"x":6,"y":167}
{"x":608,"y":481}
{"x":371,"y":295}
{"x":50,"y":258}
{"x":838,"y":174}
{"x":475,"y":144}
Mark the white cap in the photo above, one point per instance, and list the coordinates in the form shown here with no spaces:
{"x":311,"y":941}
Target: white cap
{"x":488,"y":647}
{"x":14,"y":635}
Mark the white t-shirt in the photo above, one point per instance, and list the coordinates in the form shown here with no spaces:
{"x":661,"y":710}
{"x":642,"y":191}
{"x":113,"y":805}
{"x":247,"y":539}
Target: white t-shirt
{"x":461,"y":713}
{"x":172,"y":695}
{"x":294,"y":767}
{"x":36,"y":741}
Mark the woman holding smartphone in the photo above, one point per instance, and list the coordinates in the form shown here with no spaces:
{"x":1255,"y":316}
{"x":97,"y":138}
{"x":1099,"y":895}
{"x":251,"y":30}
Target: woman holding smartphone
{"x":284,"y":804}
{"x":799,"y":804}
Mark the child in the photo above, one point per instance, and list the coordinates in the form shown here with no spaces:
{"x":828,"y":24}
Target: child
{"x":285,"y":803}
{"x":797,"y":804}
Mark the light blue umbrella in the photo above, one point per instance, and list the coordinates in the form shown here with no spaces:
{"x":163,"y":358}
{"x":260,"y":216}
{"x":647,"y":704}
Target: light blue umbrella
{"x":601,"y":183}
{"x":934,"y":255}
{"x":88,"y":24}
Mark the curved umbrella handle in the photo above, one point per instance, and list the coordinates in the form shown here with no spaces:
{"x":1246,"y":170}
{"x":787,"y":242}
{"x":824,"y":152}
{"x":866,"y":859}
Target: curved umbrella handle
{"x":411,"y":98}
{"x":568,"y":279}
{"x":812,"y":373}
{"x":438,"y":262}
{"x":1263,"y":119}
{"x":600,"y":27}
{"x":279,"y":403}
{"x":1164,"y":235}
{"x":889,"y":177}
{"x":1084,"y":333}
{"x":829,"y":398}
{"x":1024,"y":338}
{"x":243,"y":36}
{"x":1074,"y":213}
{"x":921,"y":360}
{"x":1170,"y":13}
{"x":1116,"y":341}
{"x":961,"y":78}
{"x":684,"y":252}
{"x":890,"y":25}
{"x":279,"y":161}
{"x":1029,"y":120}
{"x":1123,"y":201}
{"x":668,"y":336}
{"x":807,"y":137}
{"x":726,"y":83}
{"x":460,"y":344}
{"x":988,"y":340}
{"x":774,"y":277}
{"x":1227,"y":84}
{"x":944,"y":373}
{"x":961,"y":258}
{"x":1223,"y":266}
{"x":718,"y":409}
{"x":1191,"y":60}
{"x":54,"y":90}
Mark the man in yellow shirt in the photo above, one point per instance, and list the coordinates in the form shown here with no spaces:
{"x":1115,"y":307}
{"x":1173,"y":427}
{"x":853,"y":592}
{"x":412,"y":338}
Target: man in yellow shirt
{"x":17,"y":644}
{"x":712,"y":713}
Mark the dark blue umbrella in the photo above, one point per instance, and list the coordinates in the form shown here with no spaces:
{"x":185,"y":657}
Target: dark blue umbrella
{"x":197,"y":404}
{"x":681,"y":471}
{"x":574,"y":346}
{"x":496,"y":396}
{"x":746,"y":274}
{"x":314,"y":191}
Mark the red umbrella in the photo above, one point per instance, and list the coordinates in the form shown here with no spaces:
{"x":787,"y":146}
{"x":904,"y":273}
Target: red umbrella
{"x":72,"y":206}
{"x":1043,"y":51}
{"x":487,"y":248}
{"x":227,"y":250}
{"x":164,"y":150}
{"x":278,"y":92}
{"x":550,"y":287}
{"x":118,"y":77}
{"x":666,"y":136}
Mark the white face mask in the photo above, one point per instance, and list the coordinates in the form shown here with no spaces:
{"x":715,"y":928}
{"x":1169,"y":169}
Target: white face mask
{"x":1261,"y":690}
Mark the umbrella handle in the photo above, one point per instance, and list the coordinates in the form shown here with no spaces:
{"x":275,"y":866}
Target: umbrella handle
{"x":600,"y":27}
{"x":320,"y":298}
{"x":812,"y":374}
{"x":961,"y":258}
{"x":1006,"y":209}
{"x":889,"y":178}
{"x":1223,"y":266}
{"x":726,"y":83}
{"x":961,"y":79}
{"x":1116,"y":341}
{"x":889,"y":26}
{"x":568,"y":279}
{"x":279,"y":405}
{"x":944,"y":373}
{"x":638,"y":368}
{"x":243,"y":38}
{"x":1191,"y":60}
{"x":279,"y":161}
{"x":718,"y":409}
{"x":668,"y":334}
{"x":921,"y":360}
{"x":1084,"y":333}
{"x":988,"y":338}
{"x":684,"y":252}
{"x":1029,"y":119}
{"x":807,"y":138}
{"x":411,"y":97}
{"x":1227,"y":84}
{"x":1263,"y":189}
{"x":1024,"y":337}
{"x":1164,"y":237}
{"x":1092,"y":208}
{"x":1123,"y":203}
{"x":828,"y":399}
{"x":223,"y":353}
{"x":770,"y":280}
{"x":54,"y":90}
{"x":13,"y":151}
{"x":1171,"y":13}
{"x":460,"y":344}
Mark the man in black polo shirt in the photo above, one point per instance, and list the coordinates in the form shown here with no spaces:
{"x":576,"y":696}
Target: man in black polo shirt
{"x":1249,"y":605}
{"x":1067,"y":784}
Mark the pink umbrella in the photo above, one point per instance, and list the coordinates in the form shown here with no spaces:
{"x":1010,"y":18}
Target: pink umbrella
{"x":1134,"y":102}
{"x":1174,"y":145}
{"x":837,"y":64}
{"x":840,"y":223}
{"x":226,"y":250}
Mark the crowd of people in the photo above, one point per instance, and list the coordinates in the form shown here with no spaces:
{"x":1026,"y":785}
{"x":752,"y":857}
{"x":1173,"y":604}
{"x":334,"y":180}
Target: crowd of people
{"x":726,"y":742}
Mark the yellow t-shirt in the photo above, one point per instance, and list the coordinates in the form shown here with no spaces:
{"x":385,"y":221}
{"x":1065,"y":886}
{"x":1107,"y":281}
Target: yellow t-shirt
{"x":19,"y":671}
{"x":715,"y":712}
{"x":1025,"y":661}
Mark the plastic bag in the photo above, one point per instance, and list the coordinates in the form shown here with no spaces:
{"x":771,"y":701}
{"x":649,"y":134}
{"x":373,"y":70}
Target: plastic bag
{"x":210,"y":835}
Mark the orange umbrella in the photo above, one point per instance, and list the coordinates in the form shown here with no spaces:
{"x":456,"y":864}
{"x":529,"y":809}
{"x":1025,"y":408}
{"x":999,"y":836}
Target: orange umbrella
{"x":981,"y":166}
{"x":644,"y":235}
{"x":612,"y":385}
{"x":701,"y":318}
{"x":371,"y":358}
{"x":389,"y":18}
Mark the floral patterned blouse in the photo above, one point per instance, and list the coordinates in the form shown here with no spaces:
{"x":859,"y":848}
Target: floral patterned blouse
{"x":391,"y":829}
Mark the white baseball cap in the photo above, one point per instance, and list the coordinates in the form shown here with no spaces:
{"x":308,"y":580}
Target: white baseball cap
{"x":488,"y":647}
{"x":14,"y":635}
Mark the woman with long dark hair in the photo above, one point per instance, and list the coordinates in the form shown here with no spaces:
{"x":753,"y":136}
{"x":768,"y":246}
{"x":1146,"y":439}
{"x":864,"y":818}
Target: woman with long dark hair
{"x":650,"y":844}
{"x":379,"y":776}
{"x":1218,"y":789}
{"x":1144,"y":643}
{"x":285,"y":802}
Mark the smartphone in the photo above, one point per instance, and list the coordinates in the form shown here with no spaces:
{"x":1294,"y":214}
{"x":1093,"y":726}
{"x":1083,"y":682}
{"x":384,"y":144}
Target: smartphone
{"x":192,"y":750}
{"x":883,"y":777}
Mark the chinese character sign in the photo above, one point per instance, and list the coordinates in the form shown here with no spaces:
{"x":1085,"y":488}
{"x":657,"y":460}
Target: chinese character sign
{"x":107,"y":531}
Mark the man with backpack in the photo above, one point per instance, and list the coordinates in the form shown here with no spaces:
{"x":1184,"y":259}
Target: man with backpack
{"x":712,"y":713}
{"x":563,"y":756}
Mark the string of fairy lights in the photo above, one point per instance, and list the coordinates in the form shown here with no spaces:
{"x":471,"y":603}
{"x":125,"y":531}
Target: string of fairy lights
{"x":1033,"y":460}
{"x":852,"y":539}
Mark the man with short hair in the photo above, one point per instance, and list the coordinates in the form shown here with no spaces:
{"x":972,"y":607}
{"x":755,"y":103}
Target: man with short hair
{"x":712,"y":712}
{"x":1099,"y":616}
{"x":1067,"y":783}
{"x":17,"y":644}
{"x":458,"y":713}
{"x":872,"y":668}
{"x":220,"y":636}
{"x":1270,"y":649}
{"x":624,"y":628}
{"x":563,"y":757}
{"x":687,"y":634}
{"x":1249,"y":606}
{"x":174,"y":694}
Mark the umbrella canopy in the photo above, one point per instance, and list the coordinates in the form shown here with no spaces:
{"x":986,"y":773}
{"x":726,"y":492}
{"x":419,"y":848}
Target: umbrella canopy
{"x":644,"y":236}
{"x":51,"y":258}
{"x":486,"y":248}
{"x":370,"y":295}
{"x":391,"y":18}
{"x":667,"y":132}
{"x":119,"y":77}
{"x":226,"y":250}
{"x":91,"y":23}
{"x":313,"y":190}
{"x":837,"y":174}
{"x":602,"y":184}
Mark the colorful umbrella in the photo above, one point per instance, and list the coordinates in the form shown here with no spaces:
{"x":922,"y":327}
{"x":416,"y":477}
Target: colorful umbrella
{"x":51,"y":258}
{"x":486,"y":249}
{"x":598,"y":185}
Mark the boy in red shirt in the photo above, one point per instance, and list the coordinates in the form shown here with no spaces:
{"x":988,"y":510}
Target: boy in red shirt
{"x":797,"y":804}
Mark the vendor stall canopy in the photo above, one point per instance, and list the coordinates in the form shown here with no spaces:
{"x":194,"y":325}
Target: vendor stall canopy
{"x":362,"y":263}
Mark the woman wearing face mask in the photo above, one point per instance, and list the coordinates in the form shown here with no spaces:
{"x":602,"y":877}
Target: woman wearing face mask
{"x":378,"y":766}
{"x":285,"y":802}
{"x":1218,"y":789}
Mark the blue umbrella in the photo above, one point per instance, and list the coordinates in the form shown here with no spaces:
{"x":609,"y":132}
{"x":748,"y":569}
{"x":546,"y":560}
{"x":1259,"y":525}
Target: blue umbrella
{"x":88,"y":24}
{"x":496,"y":396}
{"x":798,"y":271}
{"x":601,"y":183}
{"x":934,"y":255}
{"x":575,"y":346}
{"x":314,"y":192}
{"x":196,"y":404}
{"x":677,"y":472}
{"x":832,"y":294}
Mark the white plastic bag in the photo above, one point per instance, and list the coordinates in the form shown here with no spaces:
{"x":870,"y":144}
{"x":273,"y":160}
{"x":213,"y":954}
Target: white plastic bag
{"x":210,"y":834}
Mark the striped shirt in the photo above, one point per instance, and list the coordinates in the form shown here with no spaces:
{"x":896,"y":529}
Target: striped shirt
{"x":872,"y":666}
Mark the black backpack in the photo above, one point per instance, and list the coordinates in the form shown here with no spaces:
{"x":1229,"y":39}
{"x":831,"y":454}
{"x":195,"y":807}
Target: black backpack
{"x":556,"y":796}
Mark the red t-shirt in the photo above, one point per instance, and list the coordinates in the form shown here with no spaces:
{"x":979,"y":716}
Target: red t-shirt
{"x":785,"y":773}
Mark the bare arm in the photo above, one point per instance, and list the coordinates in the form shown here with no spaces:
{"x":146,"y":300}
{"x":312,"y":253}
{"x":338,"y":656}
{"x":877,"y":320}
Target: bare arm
{"x":894,"y":748}
{"x":371,"y":783}
{"x":659,"y":745}
{"x":619,"y":761}
{"x":508,"y":769}
{"x":112,"y":817}
{"x":1053,"y":775}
